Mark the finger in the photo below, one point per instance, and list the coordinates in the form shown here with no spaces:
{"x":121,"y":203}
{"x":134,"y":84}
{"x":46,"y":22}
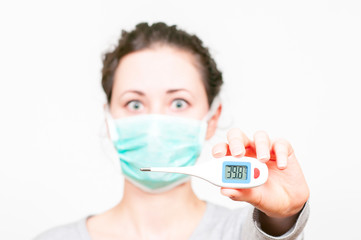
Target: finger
{"x":237,"y":142}
{"x":263,"y":145}
{"x":282,"y":150}
{"x":250,"y":195}
{"x":220,"y":150}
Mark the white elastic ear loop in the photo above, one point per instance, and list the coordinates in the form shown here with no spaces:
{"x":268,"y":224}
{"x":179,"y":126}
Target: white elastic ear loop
{"x":110,"y":122}
{"x":212,"y":109}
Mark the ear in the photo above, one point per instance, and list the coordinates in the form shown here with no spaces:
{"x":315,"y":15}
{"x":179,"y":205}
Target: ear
{"x":213,"y":122}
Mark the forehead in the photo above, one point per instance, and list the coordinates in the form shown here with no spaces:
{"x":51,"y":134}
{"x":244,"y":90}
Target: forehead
{"x":160,"y":67}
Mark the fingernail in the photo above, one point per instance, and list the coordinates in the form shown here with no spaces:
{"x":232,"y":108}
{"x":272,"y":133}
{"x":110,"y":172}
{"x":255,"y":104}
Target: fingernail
{"x":237,"y":151}
{"x":218,"y":153}
{"x":263,"y":157}
{"x":282,"y":163}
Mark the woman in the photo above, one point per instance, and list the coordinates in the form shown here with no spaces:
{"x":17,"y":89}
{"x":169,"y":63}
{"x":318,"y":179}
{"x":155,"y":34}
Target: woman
{"x":160,"y":84}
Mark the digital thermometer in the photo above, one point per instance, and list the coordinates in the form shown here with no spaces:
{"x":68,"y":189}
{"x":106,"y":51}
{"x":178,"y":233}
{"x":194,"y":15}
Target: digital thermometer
{"x":230,"y":172}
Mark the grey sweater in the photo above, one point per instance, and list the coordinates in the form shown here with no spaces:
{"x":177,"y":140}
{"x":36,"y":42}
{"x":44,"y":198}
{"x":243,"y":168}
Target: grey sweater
{"x":217,"y":223}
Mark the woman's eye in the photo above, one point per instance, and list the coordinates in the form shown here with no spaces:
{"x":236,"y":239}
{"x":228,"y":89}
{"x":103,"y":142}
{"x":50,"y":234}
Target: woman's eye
{"x":179,"y":104}
{"x":135,"y":105}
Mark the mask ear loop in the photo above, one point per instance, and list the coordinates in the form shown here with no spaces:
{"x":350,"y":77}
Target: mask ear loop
{"x":110,"y":123}
{"x":107,"y":135}
{"x":212,"y":109}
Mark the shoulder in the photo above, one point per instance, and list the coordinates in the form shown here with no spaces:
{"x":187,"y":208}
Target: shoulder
{"x":219,"y":222}
{"x":222,"y":213}
{"x":73,"y":231}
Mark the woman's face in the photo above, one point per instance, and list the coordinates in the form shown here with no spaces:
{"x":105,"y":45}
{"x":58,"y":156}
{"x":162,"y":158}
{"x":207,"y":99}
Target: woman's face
{"x":160,"y":80}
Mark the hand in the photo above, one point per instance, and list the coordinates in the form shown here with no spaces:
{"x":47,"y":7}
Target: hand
{"x":285,"y":192}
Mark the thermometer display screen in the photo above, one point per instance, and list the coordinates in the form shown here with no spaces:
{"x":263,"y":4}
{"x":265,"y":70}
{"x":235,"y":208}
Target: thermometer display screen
{"x":236,"y":172}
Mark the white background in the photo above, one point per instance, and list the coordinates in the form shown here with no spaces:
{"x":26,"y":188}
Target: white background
{"x":290,"y":68}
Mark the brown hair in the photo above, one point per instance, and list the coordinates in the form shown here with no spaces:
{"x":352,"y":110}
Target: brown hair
{"x":145,"y":36}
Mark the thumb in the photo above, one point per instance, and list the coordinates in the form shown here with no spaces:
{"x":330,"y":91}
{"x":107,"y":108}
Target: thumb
{"x":250,"y":195}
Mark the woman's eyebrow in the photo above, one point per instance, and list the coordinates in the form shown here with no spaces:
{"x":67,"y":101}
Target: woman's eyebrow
{"x":170,"y":91}
{"x":133,"y":91}
{"x":177,"y":90}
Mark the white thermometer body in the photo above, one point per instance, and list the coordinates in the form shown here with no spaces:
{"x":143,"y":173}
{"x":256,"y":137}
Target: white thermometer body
{"x":230,"y":172}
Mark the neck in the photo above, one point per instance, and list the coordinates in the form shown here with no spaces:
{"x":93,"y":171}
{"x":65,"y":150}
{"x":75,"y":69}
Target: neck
{"x":153,"y":213}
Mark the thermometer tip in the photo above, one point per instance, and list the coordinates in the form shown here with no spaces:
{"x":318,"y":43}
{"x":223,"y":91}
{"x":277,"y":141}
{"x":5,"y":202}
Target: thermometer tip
{"x":145,"y":169}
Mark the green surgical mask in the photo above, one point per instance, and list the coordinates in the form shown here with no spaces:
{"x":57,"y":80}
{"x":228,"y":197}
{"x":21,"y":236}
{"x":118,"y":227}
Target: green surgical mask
{"x":152,"y":140}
